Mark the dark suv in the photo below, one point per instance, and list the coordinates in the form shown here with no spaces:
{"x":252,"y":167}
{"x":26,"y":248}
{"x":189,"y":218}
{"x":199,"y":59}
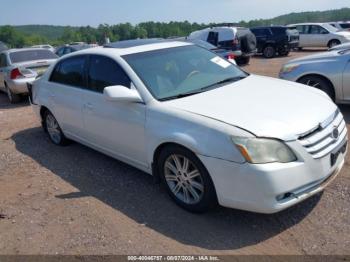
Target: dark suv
{"x":273,"y":40}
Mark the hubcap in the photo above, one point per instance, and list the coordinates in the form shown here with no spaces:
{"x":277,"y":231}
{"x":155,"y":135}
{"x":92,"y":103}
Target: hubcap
{"x":333,"y":44}
{"x":269,"y":52}
{"x":184,"y":179}
{"x":313,"y":83}
{"x":53,"y":129}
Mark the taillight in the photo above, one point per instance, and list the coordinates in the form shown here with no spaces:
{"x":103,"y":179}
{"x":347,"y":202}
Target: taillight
{"x":230,"y":57}
{"x":16,"y":73}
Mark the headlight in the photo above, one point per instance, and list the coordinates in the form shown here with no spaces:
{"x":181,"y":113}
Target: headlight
{"x":288,"y":68}
{"x":263,"y":150}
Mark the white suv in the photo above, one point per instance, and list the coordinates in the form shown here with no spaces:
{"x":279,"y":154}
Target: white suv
{"x":320,"y":35}
{"x":211,"y":132}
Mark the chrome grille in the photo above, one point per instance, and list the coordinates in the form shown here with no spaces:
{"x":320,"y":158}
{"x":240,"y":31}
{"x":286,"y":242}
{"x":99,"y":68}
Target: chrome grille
{"x":323,"y":139}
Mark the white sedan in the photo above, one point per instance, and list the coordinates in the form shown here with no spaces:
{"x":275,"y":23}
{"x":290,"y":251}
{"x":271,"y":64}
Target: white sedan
{"x":210,"y":132}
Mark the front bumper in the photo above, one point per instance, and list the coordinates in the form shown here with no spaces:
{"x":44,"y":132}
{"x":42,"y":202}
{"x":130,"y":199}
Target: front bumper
{"x":19,"y":86}
{"x":270,"y":188}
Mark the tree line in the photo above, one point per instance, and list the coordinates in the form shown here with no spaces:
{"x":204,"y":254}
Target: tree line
{"x":20,"y":36}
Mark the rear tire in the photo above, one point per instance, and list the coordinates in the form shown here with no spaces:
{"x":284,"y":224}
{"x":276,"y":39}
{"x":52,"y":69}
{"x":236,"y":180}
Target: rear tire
{"x":186,"y":179}
{"x":269,"y":51}
{"x":13,"y":98}
{"x":242,"y":60}
{"x":53,"y":129}
{"x":319,"y":83}
{"x":333,"y":43}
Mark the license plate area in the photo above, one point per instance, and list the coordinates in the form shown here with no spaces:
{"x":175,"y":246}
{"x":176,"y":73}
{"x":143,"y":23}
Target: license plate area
{"x":335,"y":155}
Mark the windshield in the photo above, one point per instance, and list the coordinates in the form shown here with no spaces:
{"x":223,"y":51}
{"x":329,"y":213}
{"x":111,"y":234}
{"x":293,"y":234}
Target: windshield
{"x":203,"y":44}
{"x":330,"y":28}
{"x":176,"y":72}
{"x":30,"y":55}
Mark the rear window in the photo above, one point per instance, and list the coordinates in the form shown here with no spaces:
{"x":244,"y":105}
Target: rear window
{"x":30,"y":55}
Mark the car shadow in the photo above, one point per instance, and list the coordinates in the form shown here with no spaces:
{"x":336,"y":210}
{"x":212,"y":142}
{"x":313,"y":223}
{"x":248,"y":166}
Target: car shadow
{"x":5,"y":103}
{"x":134,"y":193}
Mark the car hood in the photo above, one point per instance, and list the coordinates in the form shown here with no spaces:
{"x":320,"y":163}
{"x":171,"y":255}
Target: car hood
{"x":329,"y":55}
{"x":264,"y":106}
{"x":343,"y":33}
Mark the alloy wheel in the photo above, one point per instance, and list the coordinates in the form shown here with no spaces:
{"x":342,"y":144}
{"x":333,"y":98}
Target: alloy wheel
{"x":184,"y":179}
{"x":53,"y":129}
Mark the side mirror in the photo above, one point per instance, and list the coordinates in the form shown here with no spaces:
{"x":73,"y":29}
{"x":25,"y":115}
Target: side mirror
{"x":121,"y":94}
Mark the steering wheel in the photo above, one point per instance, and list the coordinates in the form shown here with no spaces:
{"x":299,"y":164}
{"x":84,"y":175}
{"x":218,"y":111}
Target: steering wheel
{"x":194,"y":72}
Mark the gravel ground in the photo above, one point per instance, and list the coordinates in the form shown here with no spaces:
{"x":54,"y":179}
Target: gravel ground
{"x":73,"y":200}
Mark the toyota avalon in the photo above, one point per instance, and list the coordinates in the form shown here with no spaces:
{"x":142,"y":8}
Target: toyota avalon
{"x":210,"y":132}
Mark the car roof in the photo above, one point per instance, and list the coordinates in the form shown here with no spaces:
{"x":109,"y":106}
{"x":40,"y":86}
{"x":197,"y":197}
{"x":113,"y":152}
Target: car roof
{"x":125,"y":48}
{"x":307,"y":24}
{"x":14,"y":50}
{"x":272,"y":26}
{"x":135,"y":42}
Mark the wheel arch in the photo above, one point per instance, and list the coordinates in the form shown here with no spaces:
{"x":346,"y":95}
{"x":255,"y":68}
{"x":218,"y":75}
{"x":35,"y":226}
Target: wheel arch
{"x":321,"y":76}
{"x":333,"y":39}
{"x":157,"y":151}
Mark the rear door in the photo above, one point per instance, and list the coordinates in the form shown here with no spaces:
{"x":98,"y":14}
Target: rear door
{"x":115,"y":127}
{"x":304,"y":35}
{"x":65,"y":91}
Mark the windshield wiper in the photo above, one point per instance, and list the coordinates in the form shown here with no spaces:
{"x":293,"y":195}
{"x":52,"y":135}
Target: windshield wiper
{"x":181,"y":95}
{"x":203,"y":89}
{"x":227,"y":80}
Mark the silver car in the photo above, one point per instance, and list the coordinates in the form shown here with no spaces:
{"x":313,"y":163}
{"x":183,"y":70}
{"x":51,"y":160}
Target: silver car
{"x":320,"y":35}
{"x":20,"y":66}
{"x":327,"y":71}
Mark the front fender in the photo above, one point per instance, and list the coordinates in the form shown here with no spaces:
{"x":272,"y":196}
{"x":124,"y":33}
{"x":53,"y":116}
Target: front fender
{"x":201,"y":135}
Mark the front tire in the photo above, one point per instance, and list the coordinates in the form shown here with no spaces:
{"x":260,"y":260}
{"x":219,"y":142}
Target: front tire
{"x":333,"y":43}
{"x":269,"y":51}
{"x":53,"y":129}
{"x":319,"y":83}
{"x":186,"y":179}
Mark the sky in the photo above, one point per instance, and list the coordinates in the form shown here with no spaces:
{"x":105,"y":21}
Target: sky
{"x":95,"y":12}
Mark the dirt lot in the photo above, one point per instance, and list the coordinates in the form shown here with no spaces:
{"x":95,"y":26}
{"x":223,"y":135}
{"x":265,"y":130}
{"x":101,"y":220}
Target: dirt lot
{"x":73,"y":200}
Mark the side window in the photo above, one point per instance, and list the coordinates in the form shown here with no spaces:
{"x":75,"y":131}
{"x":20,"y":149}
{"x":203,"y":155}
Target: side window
{"x":70,"y":72}
{"x":303,"y":29}
{"x":59,"y":52}
{"x":316,"y":30}
{"x":266,"y":32}
{"x":213,"y":38}
{"x":67,"y":50}
{"x":103,"y":72}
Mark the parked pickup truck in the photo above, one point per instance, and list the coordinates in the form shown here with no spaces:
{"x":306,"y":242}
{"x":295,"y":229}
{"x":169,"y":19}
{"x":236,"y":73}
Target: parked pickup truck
{"x":275,"y":40}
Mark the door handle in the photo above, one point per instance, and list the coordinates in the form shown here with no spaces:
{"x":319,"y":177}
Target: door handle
{"x":88,"y":106}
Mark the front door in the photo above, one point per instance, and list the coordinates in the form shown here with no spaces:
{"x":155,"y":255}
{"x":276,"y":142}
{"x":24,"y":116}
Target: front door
{"x":116,"y":127}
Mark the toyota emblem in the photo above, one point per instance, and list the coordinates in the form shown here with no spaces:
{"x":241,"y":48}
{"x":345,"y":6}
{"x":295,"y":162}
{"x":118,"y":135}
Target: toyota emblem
{"x":335,"y":133}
